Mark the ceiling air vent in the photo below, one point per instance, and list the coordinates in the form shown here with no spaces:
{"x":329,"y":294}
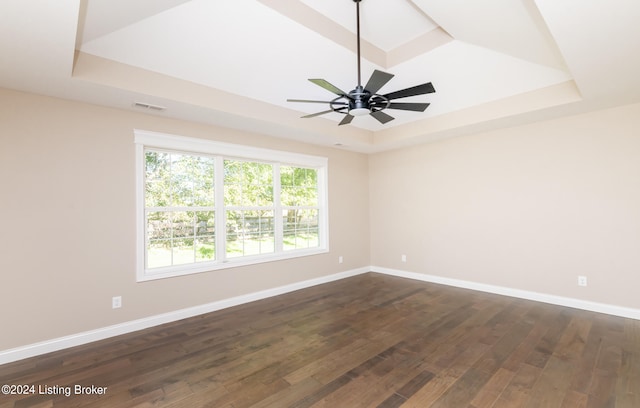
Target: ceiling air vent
{"x":149,"y":106}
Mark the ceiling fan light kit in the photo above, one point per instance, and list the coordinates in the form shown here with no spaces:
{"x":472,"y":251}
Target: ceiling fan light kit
{"x":364,"y":100}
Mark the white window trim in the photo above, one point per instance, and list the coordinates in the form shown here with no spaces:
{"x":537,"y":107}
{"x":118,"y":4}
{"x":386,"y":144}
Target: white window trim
{"x":143,"y":138}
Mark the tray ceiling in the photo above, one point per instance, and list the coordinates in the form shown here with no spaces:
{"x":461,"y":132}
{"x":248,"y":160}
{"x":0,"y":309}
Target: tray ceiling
{"x":234,"y":63}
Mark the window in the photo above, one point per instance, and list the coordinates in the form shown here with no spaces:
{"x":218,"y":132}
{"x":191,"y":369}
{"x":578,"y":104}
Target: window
{"x":179,"y":208}
{"x":205,"y":205}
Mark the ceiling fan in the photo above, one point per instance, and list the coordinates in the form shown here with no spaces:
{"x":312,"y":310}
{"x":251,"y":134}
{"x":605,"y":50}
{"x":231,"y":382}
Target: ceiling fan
{"x":365,"y":100}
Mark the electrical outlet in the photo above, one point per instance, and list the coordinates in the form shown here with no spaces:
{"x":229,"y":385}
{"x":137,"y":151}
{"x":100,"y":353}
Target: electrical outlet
{"x":340,"y":259}
{"x":582,"y":281}
{"x":116,"y":302}
{"x":403,"y":258}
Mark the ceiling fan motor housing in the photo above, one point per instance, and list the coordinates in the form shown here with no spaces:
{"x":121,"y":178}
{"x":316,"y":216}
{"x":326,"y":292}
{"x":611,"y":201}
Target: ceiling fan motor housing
{"x":359,"y":101}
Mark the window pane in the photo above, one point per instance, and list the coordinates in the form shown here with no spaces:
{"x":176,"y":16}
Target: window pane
{"x":232,"y":195}
{"x":233,"y":182}
{"x":183,"y":224}
{"x":157,"y":176}
{"x":248,"y":183}
{"x":250,"y":233}
{"x":262,"y":196}
{"x":263,"y":174}
{"x":175,"y":179}
{"x":180,"y":237}
{"x":300,"y":229}
{"x":183,"y":251}
{"x":192,"y":180}
{"x":299,"y":186}
{"x":158,"y":239}
{"x":234,"y":223}
{"x":158,"y":225}
{"x":233,"y":172}
{"x":205,"y":236}
{"x":202,"y":173}
{"x":205,"y":223}
{"x":159,"y":253}
{"x":205,"y":249}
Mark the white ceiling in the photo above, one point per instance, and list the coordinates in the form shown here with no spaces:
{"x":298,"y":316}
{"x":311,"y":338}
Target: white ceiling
{"x":493,"y":63}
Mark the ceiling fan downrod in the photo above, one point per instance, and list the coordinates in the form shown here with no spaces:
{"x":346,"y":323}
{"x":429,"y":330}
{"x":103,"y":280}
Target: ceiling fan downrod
{"x":359,"y":104}
{"x":358,"y":42}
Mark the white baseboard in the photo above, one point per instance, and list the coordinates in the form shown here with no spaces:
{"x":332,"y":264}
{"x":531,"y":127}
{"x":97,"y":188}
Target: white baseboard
{"x":31,"y":350}
{"x":522,"y":294}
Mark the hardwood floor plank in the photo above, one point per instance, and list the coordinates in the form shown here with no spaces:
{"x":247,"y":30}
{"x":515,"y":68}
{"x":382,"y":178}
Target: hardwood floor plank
{"x":605,"y":375}
{"x":287,"y":397}
{"x":588,"y":360}
{"x":490,"y":393}
{"x":553,"y":384}
{"x":445,"y":379}
{"x":393,"y":401}
{"x":518,"y":392}
{"x":367,"y":341}
{"x":503,"y":348}
{"x":325,"y":390}
{"x":332,"y":360}
{"x":544,"y":349}
{"x":526,"y":347}
{"x":416,"y":383}
{"x":573,"y":340}
{"x":628,"y":384}
{"x":462,"y":392}
{"x":575,"y":399}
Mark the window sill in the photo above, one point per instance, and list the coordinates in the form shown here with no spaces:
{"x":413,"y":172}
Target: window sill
{"x":173,"y":271}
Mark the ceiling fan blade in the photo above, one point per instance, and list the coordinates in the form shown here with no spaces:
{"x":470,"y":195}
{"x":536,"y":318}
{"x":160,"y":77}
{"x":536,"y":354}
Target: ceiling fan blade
{"x":346,"y":120}
{"x":329,"y":87}
{"x":414,"y":90}
{"x":378,"y":80}
{"x":381,"y":117}
{"x":313,"y":115}
{"x":416,"y":107}
{"x":310,"y":101}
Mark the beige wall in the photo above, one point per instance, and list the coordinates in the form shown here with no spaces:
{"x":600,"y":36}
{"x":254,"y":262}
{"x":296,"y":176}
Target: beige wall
{"x":528,"y":208}
{"x":67,"y":213}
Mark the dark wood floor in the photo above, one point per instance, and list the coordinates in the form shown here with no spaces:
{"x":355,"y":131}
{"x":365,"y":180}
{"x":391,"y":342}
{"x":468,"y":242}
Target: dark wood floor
{"x":367,"y":341}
